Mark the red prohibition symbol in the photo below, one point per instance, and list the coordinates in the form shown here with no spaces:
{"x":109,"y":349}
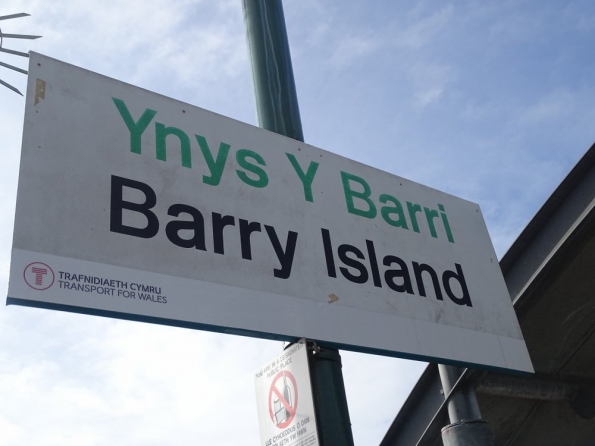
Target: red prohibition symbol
{"x":283,"y":399}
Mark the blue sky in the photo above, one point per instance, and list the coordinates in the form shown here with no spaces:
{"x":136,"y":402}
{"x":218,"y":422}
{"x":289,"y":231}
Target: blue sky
{"x":492,"y":101}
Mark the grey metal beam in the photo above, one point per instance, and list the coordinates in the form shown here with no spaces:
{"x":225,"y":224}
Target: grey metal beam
{"x":462,"y":405}
{"x":18,"y":36}
{"x":16,"y":53}
{"x":10,"y":87}
{"x":14,"y":16}
{"x":12,"y":67}
{"x":569,"y":211}
{"x":555,"y":221}
{"x":541,"y":388}
{"x":527,"y":388}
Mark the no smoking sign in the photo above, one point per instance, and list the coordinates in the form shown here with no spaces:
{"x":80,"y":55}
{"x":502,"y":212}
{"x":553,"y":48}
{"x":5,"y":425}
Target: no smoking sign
{"x":284,"y":400}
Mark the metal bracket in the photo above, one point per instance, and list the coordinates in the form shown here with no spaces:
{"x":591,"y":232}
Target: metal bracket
{"x":13,"y":52}
{"x":541,"y":388}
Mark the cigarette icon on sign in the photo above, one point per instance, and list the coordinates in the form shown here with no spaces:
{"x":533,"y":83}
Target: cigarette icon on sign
{"x":283,"y":399}
{"x":282,"y":413}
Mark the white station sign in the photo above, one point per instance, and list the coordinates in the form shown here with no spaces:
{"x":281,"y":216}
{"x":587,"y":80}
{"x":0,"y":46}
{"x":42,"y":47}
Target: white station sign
{"x":284,"y":400}
{"x":137,"y":206}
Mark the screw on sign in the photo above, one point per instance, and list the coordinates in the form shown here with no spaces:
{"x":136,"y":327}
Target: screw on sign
{"x":283,"y":399}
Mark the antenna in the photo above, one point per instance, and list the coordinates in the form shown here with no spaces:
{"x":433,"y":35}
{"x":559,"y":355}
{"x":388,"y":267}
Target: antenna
{"x":13,"y":52}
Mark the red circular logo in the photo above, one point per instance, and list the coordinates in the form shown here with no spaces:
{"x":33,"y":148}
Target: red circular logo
{"x":39,"y":276}
{"x":283,"y":399}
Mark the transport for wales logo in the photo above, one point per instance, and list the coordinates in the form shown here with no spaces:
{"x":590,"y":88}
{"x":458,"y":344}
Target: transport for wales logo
{"x":39,"y":276}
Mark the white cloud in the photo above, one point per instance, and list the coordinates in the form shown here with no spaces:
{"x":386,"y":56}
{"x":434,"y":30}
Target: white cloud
{"x":430,"y":81}
{"x":11,"y":432}
{"x":554,"y":106}
{"x":425,"y":26}
{"x":351,"y":48}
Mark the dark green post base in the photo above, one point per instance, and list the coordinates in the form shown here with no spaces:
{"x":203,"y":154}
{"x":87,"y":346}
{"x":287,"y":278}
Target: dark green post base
{"x":330,"y":401}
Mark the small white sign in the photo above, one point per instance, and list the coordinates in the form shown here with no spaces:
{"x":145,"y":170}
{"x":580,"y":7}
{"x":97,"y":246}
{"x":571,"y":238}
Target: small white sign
{"x":137,"y":206}
{"x":284,"y":400}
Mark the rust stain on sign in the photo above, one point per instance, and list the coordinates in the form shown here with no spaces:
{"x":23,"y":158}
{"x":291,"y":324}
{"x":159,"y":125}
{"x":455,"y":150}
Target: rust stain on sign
{"x":332,"y":298}
{"x":39,"y":91}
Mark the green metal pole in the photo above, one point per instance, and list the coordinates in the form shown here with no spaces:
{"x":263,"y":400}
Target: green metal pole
{"x":278,"y":111}
{"x":330,"y":402}
{"x":274,"y":86}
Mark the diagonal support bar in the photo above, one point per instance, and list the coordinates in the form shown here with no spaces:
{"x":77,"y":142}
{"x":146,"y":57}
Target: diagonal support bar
{"x":14,"y":16}
{"x":12,"y":67}
{"x":18,"y":36}
{"x":16,"y":53}
{"x":10,"y":87}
